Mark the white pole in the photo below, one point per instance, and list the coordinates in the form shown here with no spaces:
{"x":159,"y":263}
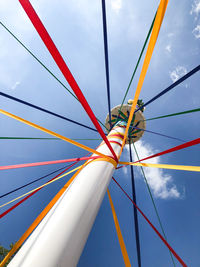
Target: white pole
{"x":60,"y":237}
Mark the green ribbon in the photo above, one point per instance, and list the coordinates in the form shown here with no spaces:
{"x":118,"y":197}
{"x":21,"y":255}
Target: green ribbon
{"x":40,"y":62}
{"x":174,"y":114}
{"x":134,"y":132}
{"x":122,"y":114}
{"x":141,"y":53}
{"x":154,"y":204}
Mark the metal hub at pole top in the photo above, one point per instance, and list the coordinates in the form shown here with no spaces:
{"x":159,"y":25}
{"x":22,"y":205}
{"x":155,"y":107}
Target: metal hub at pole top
{"x":138,"y":123}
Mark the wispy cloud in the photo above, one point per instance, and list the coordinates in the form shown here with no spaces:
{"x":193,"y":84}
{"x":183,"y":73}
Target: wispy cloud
{"x":14,"y":86}
{"x":125,"y":171}
{"x":170,"y":34}
{"x":12,"y":55}
{"x":116,"y":5}
{"x":195,"y":8}
{"x":177,"y":73}
{"x":161,"y":183}
{"x":168,"y":48}
{"x":196,"y":32}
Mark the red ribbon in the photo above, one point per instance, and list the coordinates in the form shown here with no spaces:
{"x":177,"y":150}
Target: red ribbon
{"x":154,"y":228}
{"x":187,"y":144}
{"x":31,"y":194}
{"x":37,"y":23}
{"x":16,"y":166}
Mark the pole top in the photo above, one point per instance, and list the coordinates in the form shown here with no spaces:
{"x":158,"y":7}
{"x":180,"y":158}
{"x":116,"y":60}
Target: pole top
{"x":138,"y":124}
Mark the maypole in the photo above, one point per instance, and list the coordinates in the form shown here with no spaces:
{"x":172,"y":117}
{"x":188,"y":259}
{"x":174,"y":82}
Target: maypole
{"x":60,"y":237}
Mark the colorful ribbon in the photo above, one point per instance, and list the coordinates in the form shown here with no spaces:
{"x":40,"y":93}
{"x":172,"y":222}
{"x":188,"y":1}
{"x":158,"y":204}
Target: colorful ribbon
{"x":16,"y":166}
{"x":31,"y":194}
{"x":52,"y":133}
{"x":37,"y":23}
{"x":155,"y":31}
{"x":174,"y":114}
{"x":37,"y":59}
{"x":119,"y":233}
{"x":164,"y":135}
{"x":154,"y":204}
{"x":153,"y":227}
{"x":45,"y":67}
{"x":176,"y":148}
{"x":41,"y":186}
{"x":38,"y":219}
{"x":135,"y":213}
{"x":162,"y":166}
{"x":106,"y":55}
{"x":186,"y":76}
{"x":34,"y":181}
{"x":45,"y":110}
{"x":141,"y":53}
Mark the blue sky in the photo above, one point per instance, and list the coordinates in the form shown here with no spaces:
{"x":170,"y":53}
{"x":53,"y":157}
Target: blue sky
{"x":76,"y":28}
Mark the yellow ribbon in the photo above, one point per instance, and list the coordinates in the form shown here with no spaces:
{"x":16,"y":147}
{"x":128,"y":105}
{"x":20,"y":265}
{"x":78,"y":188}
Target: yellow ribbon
{"x":154,"y":35}
{"x":119,"y":233}
{"x":111,"y":160}
{"x":39,"y":219}
{"x":52,"y":133}
{"x":164,"y":166}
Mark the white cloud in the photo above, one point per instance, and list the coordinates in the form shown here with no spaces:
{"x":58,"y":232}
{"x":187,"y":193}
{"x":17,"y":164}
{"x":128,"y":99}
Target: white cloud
{"x":15,"y":17}
{"x":196,"y":32}
{"x":186,"y":85}
{"x":116,"y":5}
{"x":14,"y":86}
{"x":195,"y":8}
{"x":12,"y":56}
{"x":196,"y":11}
{"x":161,"y":184}
{"x":125,"y":171}
{"x":178,"y":73}
{"x":171,"y":34}
{"x":168,"y":48}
